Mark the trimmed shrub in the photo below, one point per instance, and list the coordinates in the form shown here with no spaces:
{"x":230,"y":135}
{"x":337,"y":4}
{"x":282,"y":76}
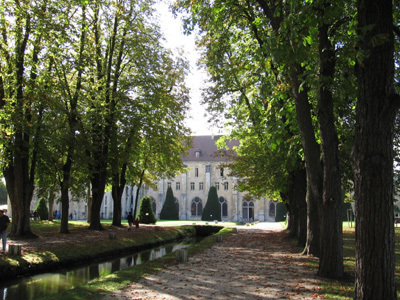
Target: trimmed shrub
{"x":280,"y":212}
{"x":212,"y":209}
{"x":42,"y":209}
{"x":169,"y":210}
{"x":146,"y":214}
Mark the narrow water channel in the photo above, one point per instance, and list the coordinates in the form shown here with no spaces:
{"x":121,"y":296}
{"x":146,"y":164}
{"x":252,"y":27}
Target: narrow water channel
{"x":37,"y":286}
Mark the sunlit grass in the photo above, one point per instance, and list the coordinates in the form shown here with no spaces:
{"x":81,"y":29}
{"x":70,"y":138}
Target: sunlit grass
{"x":334,"y":289}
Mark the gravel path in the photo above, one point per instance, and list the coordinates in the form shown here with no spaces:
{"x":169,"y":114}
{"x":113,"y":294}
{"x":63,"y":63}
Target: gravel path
{"x":257,"y":263}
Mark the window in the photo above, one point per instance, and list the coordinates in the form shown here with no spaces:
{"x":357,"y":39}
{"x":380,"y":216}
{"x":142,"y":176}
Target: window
{"x":196,"y":172}
{"x":272,"y":209}
{"x":217,"y":186}
{"x":169,"y":184}
{"x":221,"y":172}
{"x":224,"y":206}
{"x":154,"y":205}
{"x":197,"y":207}
{"x":248,"y":210}
{"x":201,"y":186}
{"x":208,"y":168}
{"x":198,"y":153}
{"x":178,"y":186}
{"x":192,"y":186}
{"x":226,"y":186}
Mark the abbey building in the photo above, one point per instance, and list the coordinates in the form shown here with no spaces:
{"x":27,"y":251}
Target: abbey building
{"x":205,"y":168}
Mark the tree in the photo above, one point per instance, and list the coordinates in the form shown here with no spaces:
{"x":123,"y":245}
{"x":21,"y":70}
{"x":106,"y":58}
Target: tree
{"x":42,"y":210}
{"x":146,"y":214}
{"x":297,"y":51}
{"x":212,"y":209}
{"x":169,"y":210}
{"x":376,"y":109}
{"x":154,"y":114}
{"x":24,"y":90}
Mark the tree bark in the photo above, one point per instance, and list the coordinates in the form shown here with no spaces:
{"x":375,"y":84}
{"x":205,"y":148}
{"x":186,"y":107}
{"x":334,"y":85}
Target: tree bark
{"x":312,"y":162}
{"x":51,"y":205}
{"x":298,"y":194}
{"x":372,"y":156}
{"x":331,"y":245}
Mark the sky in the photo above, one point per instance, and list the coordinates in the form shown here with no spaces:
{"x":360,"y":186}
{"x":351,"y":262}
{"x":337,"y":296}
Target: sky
{"x":173,"y":32}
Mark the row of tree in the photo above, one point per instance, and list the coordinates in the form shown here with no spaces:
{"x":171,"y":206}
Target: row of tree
{"x":310,"y":90}
{"x":211,"y":211}
{"x":89,"y":98}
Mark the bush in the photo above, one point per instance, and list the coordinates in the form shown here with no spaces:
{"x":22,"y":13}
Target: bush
{"x":212,"y":210}
{"x":146,"y":214}
{"x":42,"y":210}
{"x":169,"y":210}
{"x":280,"y":212}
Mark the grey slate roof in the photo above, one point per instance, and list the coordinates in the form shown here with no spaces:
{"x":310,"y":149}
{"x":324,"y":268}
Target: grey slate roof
{"x":205,"y":144}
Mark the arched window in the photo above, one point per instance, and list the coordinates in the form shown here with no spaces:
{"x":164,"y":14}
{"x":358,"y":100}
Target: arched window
{"x":272,"y":207}
{"x":197,"y":207}
{"x":248,"y":210}
{"x":224,"y":206}
{"x":177,"y":204}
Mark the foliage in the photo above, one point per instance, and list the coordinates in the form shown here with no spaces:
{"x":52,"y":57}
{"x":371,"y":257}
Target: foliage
{"x":212,"y":209}
{"x":3,"y":193}
{"x":145,"y":213}
{"x":42,"y":209}
{"x":169,"y":210}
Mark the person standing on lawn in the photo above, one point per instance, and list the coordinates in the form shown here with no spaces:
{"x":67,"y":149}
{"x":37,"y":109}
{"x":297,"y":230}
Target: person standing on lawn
{"x":130,"y":221}
{"x":4,"y":221}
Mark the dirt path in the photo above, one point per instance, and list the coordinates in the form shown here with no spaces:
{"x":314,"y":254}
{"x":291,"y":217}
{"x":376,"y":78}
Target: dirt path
{"x":256,"y":263}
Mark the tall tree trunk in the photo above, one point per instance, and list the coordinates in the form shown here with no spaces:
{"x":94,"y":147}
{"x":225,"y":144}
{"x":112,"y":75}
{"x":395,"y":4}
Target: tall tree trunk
{"x":298,"y":194}
{"x":118,"y":187}
{"x":116,"y":193}
{"x":139,"y":186}
{"x":312,"y":162}
{"x":331,"y":246}
{"x":64,"y":207}
{"x":98,"y":186}
{"x":297,"y":206}
{"x":372,"y":154}
{"x":51,"y":199}
{"x":20,"y":193}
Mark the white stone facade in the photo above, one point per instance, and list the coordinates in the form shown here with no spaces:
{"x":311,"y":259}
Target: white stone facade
{"x":204,"y":169}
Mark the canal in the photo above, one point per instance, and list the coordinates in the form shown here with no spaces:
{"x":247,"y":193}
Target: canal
{"x":37,"y":286}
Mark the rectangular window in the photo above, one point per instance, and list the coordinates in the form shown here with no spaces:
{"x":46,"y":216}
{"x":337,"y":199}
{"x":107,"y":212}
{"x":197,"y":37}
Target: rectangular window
{"x":221,"y":172}
{"x":192,"y":186}
{"x":201,"y":186}
{"x":226,"y":186}
{"x":208,"y":168}
{"x":196,"y":172}
{"x":217,"y":186}
{"x":178,"y":186}
{"x":169,"y":184}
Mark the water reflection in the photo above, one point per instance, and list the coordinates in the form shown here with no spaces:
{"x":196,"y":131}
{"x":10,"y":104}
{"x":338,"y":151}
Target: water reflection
{"x":35,"y":287}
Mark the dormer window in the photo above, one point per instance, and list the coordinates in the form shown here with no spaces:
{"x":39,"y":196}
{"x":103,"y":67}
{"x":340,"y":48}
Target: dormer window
{"x":197,"y":153}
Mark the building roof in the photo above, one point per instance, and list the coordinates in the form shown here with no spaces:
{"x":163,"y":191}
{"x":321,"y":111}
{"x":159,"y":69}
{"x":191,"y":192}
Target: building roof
{"x":207,"y":150}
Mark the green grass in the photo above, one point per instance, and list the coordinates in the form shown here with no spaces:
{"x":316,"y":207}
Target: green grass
{"x":334,"y":289}
{"x":85,"y":251}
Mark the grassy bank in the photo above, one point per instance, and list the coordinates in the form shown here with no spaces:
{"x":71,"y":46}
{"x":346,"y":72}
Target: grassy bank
{"x":53,"y":250}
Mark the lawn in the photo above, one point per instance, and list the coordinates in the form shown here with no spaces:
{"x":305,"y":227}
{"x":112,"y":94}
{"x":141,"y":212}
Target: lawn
{"x":334,"y":289}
